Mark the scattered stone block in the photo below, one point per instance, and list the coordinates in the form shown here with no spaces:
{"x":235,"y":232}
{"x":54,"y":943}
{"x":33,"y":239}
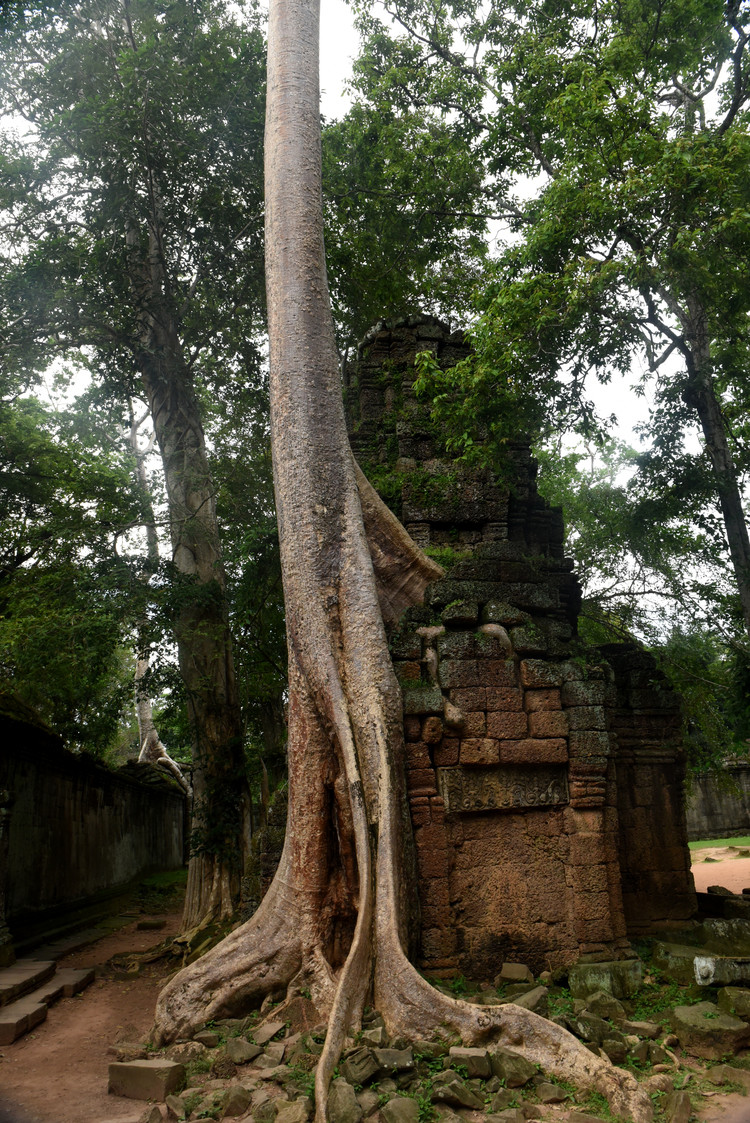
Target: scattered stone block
{"x":551,"y":1093}
{"x":512,"y":1068}
{"x":208,"y":1038}
{"x":401,"y":1109}
{"x":393,"y":1060}
{"x":175,"y":1108}
{"x":729,"y":1074}
{"x":183,"y":1052}
{"x":500,"y":1100}
{"x":642,"y":1029}
{"x":475,"y":1061}
{"x":240,"y":1052}
{"x":535,"y":1000}
{"x":375,"y":1035}
{"x":605,"y":1006}
{"x":237,"y":1102}
{"x":360,"y":1066}
{"x":455,"y":1093}
{"x":298,"y":1111}
{"x":152,"y":1115}
{"x":146,"y":1080}
{"x":704,"y":1031}
{"x":513,"y":973}
{"x":621,"y":978}
{"x":678,"y":1108}
{"x":343,"y":1106}
{"x":735,"y":1000}
{"x":266,"y":1031}
{"x":369,"y":1101}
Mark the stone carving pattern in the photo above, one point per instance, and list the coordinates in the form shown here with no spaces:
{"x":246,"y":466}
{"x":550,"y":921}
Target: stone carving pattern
{"x":502,"y":788}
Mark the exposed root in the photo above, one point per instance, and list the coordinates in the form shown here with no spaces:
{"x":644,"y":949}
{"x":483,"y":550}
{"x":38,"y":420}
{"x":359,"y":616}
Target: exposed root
{"x":259,"y":957}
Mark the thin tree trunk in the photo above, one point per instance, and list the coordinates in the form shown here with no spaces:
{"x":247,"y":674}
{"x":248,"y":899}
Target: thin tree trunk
{"x":151,"y":748}
{"x":202,"y":633}
{"x":337,"y":917}
{"x":701,"y":395}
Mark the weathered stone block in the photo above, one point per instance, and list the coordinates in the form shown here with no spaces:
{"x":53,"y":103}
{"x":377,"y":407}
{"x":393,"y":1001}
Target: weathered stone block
{"x":589,"y":743}
{"x":500,"y":612}
{"x":583,"y":693}
{"x":394,"y":1060}
{"x":469,"y":698}
{"x":423,"y":700}
{"x":412,"y":727}
{"x":704,"y":1031}
{"x":507,"y":699}
{"x":238,"y":1101}
{"x":458,"y":672}
{"x":343,"y":1106}
{"x":530,"y":639}
{"x":548,"y":723}
{"x":400,"y":1109}
{"x":535,"y":1000}
{"x":535,"y":700}
{"x":240,"y":1052}
{"x":587,"y":717}
{"x":476,"y":750}
{"x":498,"y":672}
{"x":432,"y":730}
{"x":475,"y":724}
{"x":620,"y":978}
{"x":461,"y":614}
{"x":146,"y":1080}
{"x":475,"y":1061}
{"x":532,"y":751}
{"x":537,"y":673}
{"x":359,"y":1067}
{"x":417,"y":755}
{"x":512,"y":1068}
{"x":736,"y":1001}
{"x":507,"y":726}
{"x":446,"y":753}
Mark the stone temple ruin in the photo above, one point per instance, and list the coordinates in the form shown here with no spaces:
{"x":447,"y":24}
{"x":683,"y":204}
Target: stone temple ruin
{"x":545,"y":777}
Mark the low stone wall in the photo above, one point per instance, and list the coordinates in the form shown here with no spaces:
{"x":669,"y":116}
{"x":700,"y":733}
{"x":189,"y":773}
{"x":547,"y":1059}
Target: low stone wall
{"x":718,"y":805}
{"x":75,"y":829}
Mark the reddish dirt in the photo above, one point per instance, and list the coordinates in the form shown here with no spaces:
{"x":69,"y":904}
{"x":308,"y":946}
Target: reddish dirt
{"x":58,"y":1073}
{"x":720,"y":865}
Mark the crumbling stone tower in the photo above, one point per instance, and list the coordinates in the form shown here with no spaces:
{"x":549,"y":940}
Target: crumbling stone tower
{"x":545,"y":778}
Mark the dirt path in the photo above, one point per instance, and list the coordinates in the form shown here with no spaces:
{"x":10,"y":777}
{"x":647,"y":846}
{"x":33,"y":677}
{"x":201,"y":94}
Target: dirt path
{"x":721,"y":865}
{"x":58,"y":1073}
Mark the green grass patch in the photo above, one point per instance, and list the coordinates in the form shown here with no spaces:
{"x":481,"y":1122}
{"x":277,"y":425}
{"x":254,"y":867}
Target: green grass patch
{"x":744,"y":840}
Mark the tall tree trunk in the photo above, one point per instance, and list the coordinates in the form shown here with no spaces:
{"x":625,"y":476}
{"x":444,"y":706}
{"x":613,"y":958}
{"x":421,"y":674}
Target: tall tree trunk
{"x":700,"y":393}
{"x":337,"y":917}
{"x":202,"y":631}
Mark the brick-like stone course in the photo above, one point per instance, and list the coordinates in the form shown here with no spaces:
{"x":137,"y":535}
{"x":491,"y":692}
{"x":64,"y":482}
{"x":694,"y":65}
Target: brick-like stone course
{"x":555,"y":745}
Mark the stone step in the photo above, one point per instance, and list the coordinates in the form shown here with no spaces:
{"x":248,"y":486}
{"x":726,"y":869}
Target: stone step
{"x":23,"y":976}
{"x":19,"y":1017}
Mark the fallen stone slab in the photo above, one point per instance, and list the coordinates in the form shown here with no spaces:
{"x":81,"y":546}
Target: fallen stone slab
{"x":343,"y":1104}
{"x":401,"y":1109}
{"x":237,"y":1102}
{"x":513,"y":973}
{"x":514,"y":1069}
{"x":266,"y":1031}
{"x":678,"y":1108}
{"x":729,"y":1074}
{"x":476,"y":1061}
{"x":535,"y":1000}
{"x":621,"y":978}
{"x":642,"y":1029}
{"x":146,"y":1080}
{"x":297,"y":1111}
{"x":703,"y":1031}
{"x":241,"y":1052}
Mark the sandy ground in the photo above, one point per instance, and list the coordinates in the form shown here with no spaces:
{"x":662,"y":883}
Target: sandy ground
{"x":58,"y":1073}
{"x":722,"y":865}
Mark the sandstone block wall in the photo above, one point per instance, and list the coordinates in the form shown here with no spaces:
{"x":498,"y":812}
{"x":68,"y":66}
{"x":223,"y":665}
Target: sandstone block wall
{"x":77,"y":829}
{"x":719,"y":804}
{"x":545,"y":777}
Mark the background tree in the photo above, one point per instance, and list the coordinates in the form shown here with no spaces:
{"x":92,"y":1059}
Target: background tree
{"x":138,"y":190}
{"x":615,"y":137}
{"x":336,"y":919}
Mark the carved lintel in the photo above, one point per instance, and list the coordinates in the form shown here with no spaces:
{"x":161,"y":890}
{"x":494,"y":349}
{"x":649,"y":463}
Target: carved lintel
{"x":502,"y":788}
